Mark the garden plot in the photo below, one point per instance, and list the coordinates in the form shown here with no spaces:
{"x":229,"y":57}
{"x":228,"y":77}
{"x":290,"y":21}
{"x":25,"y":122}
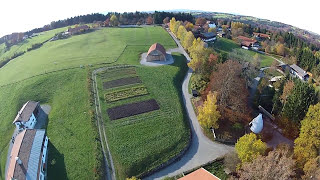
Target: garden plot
{"x":121,"y":82}
{"x":118,"y":72}
{"x":126,"y":93}
{"x":132,"y":109}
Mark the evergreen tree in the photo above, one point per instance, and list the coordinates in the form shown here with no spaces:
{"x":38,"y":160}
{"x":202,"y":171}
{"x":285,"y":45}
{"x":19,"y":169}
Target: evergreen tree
{"x":301,"y":97}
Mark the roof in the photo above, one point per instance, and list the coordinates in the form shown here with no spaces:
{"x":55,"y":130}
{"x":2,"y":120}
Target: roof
{"x":299,"y":70}
{"x":246,"y":43}
{"x":208,"y":35}
{"x":26,"y":111}
{"x":156,"y":46}
{"x":257,"y":124}
{"x":27,"y":146}
{"x":200,"y":174}
{"x":243,"y":38}
{"x":262,"y":35}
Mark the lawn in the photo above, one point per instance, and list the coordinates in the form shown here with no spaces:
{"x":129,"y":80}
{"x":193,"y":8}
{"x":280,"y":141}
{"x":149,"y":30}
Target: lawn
{"x":73,"y":148}
{"x":227,"y":45}
{"x":142,"y":142}
{"x":71,"y":152}
{"x":100,"y":46}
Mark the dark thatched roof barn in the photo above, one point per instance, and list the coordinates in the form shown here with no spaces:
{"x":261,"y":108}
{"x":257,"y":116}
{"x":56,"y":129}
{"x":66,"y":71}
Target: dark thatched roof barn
{"x":156,"y":53}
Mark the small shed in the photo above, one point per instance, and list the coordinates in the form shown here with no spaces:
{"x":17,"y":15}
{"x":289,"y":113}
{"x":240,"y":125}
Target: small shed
{"x":256,"y":125}
{"x":156,"y":53}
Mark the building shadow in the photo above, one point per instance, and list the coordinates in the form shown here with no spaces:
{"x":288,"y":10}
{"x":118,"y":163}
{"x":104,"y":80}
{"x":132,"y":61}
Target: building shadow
{"x":56,"y":164}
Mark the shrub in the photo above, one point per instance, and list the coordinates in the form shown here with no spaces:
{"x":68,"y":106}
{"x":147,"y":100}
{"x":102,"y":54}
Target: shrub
{"x":237,"y":127}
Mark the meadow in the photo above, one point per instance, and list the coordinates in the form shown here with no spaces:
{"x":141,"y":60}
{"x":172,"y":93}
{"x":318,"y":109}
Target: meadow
{"x":52,"y":75}
{"x":72,"y":151}
{"x":27,"y":43}
{"x":227,"y":45}
{"x":101,"y":46}
{"x":142,"y":142}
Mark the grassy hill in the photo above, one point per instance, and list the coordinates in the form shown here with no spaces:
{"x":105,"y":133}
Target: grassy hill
{"x":69,"y":128}
{"x":100,"y":46}
{"x":27,"y":43}
{"x":227,"y":46}
{"x":142,"y":142}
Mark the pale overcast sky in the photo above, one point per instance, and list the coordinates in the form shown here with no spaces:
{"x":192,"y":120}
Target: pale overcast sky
{"x":23,"y":15}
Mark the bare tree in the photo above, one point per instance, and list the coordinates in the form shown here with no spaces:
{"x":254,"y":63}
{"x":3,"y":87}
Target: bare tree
{"x":279,"y":164}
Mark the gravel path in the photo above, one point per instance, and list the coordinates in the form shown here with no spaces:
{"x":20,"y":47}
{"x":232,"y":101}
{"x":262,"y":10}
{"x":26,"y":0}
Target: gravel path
{"x":202,"y":149}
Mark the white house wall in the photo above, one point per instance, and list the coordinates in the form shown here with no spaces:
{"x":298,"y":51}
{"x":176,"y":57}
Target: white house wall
{"x":32,"y":122}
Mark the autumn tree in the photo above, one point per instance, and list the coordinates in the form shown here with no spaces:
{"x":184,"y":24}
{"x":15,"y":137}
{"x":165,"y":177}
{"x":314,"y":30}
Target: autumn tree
{"x":107,"y":22}
{"x":312,"y":169}
{"x":279,"y":164}
{"x":149,"y":20}
{"x":249,"y":147}
{"x":286,"y":91}
{"x":166,"y":20}
{"x":307,"y":145}
{"x":299,"y":100}
{"x":174,"y":26}
{"x":237,"y":29}
{"x":114,"y":20}
{"x":173,"y":22}
{"x":198,"y":55}
{"x":280,"y":49}
{"x":256,"y":61}
{"x":189,"y":26}
{"x":230,"y":86}
{"x":208,"y":115}
{"x":188,"y":40}
{"x":201,"y":21}
{"x":181,"y":33}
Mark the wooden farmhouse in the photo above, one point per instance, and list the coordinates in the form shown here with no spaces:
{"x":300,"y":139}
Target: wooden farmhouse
{"x":27,"y":116}
{"x":298,"y":72}
{"x":156,"y":53}
{"x":29,"y":155}
{"x":248,"y":43}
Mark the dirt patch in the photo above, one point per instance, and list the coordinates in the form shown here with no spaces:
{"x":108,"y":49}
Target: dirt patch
{"x":118,"y":73}
{"x":121,"y":82}
{"x":132,"y":109}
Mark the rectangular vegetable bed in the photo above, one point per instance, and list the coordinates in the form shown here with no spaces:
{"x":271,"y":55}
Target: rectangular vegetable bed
{"x":121,"y":72}
{"x":125,"y":93}
{"x":132,"y":109}
{"x":121,"y":82}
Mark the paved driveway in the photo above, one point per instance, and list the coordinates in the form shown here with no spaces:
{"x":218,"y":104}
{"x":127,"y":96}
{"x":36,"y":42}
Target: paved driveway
{"x":202,"y":149}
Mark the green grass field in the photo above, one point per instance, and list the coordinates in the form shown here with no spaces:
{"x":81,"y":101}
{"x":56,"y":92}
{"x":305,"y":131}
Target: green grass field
{"x":227,"y":45}
{"x":142,"y":142}
{"x":69,"y":128}
{"x":100,"y":46}
{"x":24,"y":45}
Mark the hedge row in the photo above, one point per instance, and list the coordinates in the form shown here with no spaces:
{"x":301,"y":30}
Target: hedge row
{"x":125,"y":93}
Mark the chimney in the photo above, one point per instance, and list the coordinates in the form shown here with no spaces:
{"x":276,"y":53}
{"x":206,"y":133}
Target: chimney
{"x":18,"y":160}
